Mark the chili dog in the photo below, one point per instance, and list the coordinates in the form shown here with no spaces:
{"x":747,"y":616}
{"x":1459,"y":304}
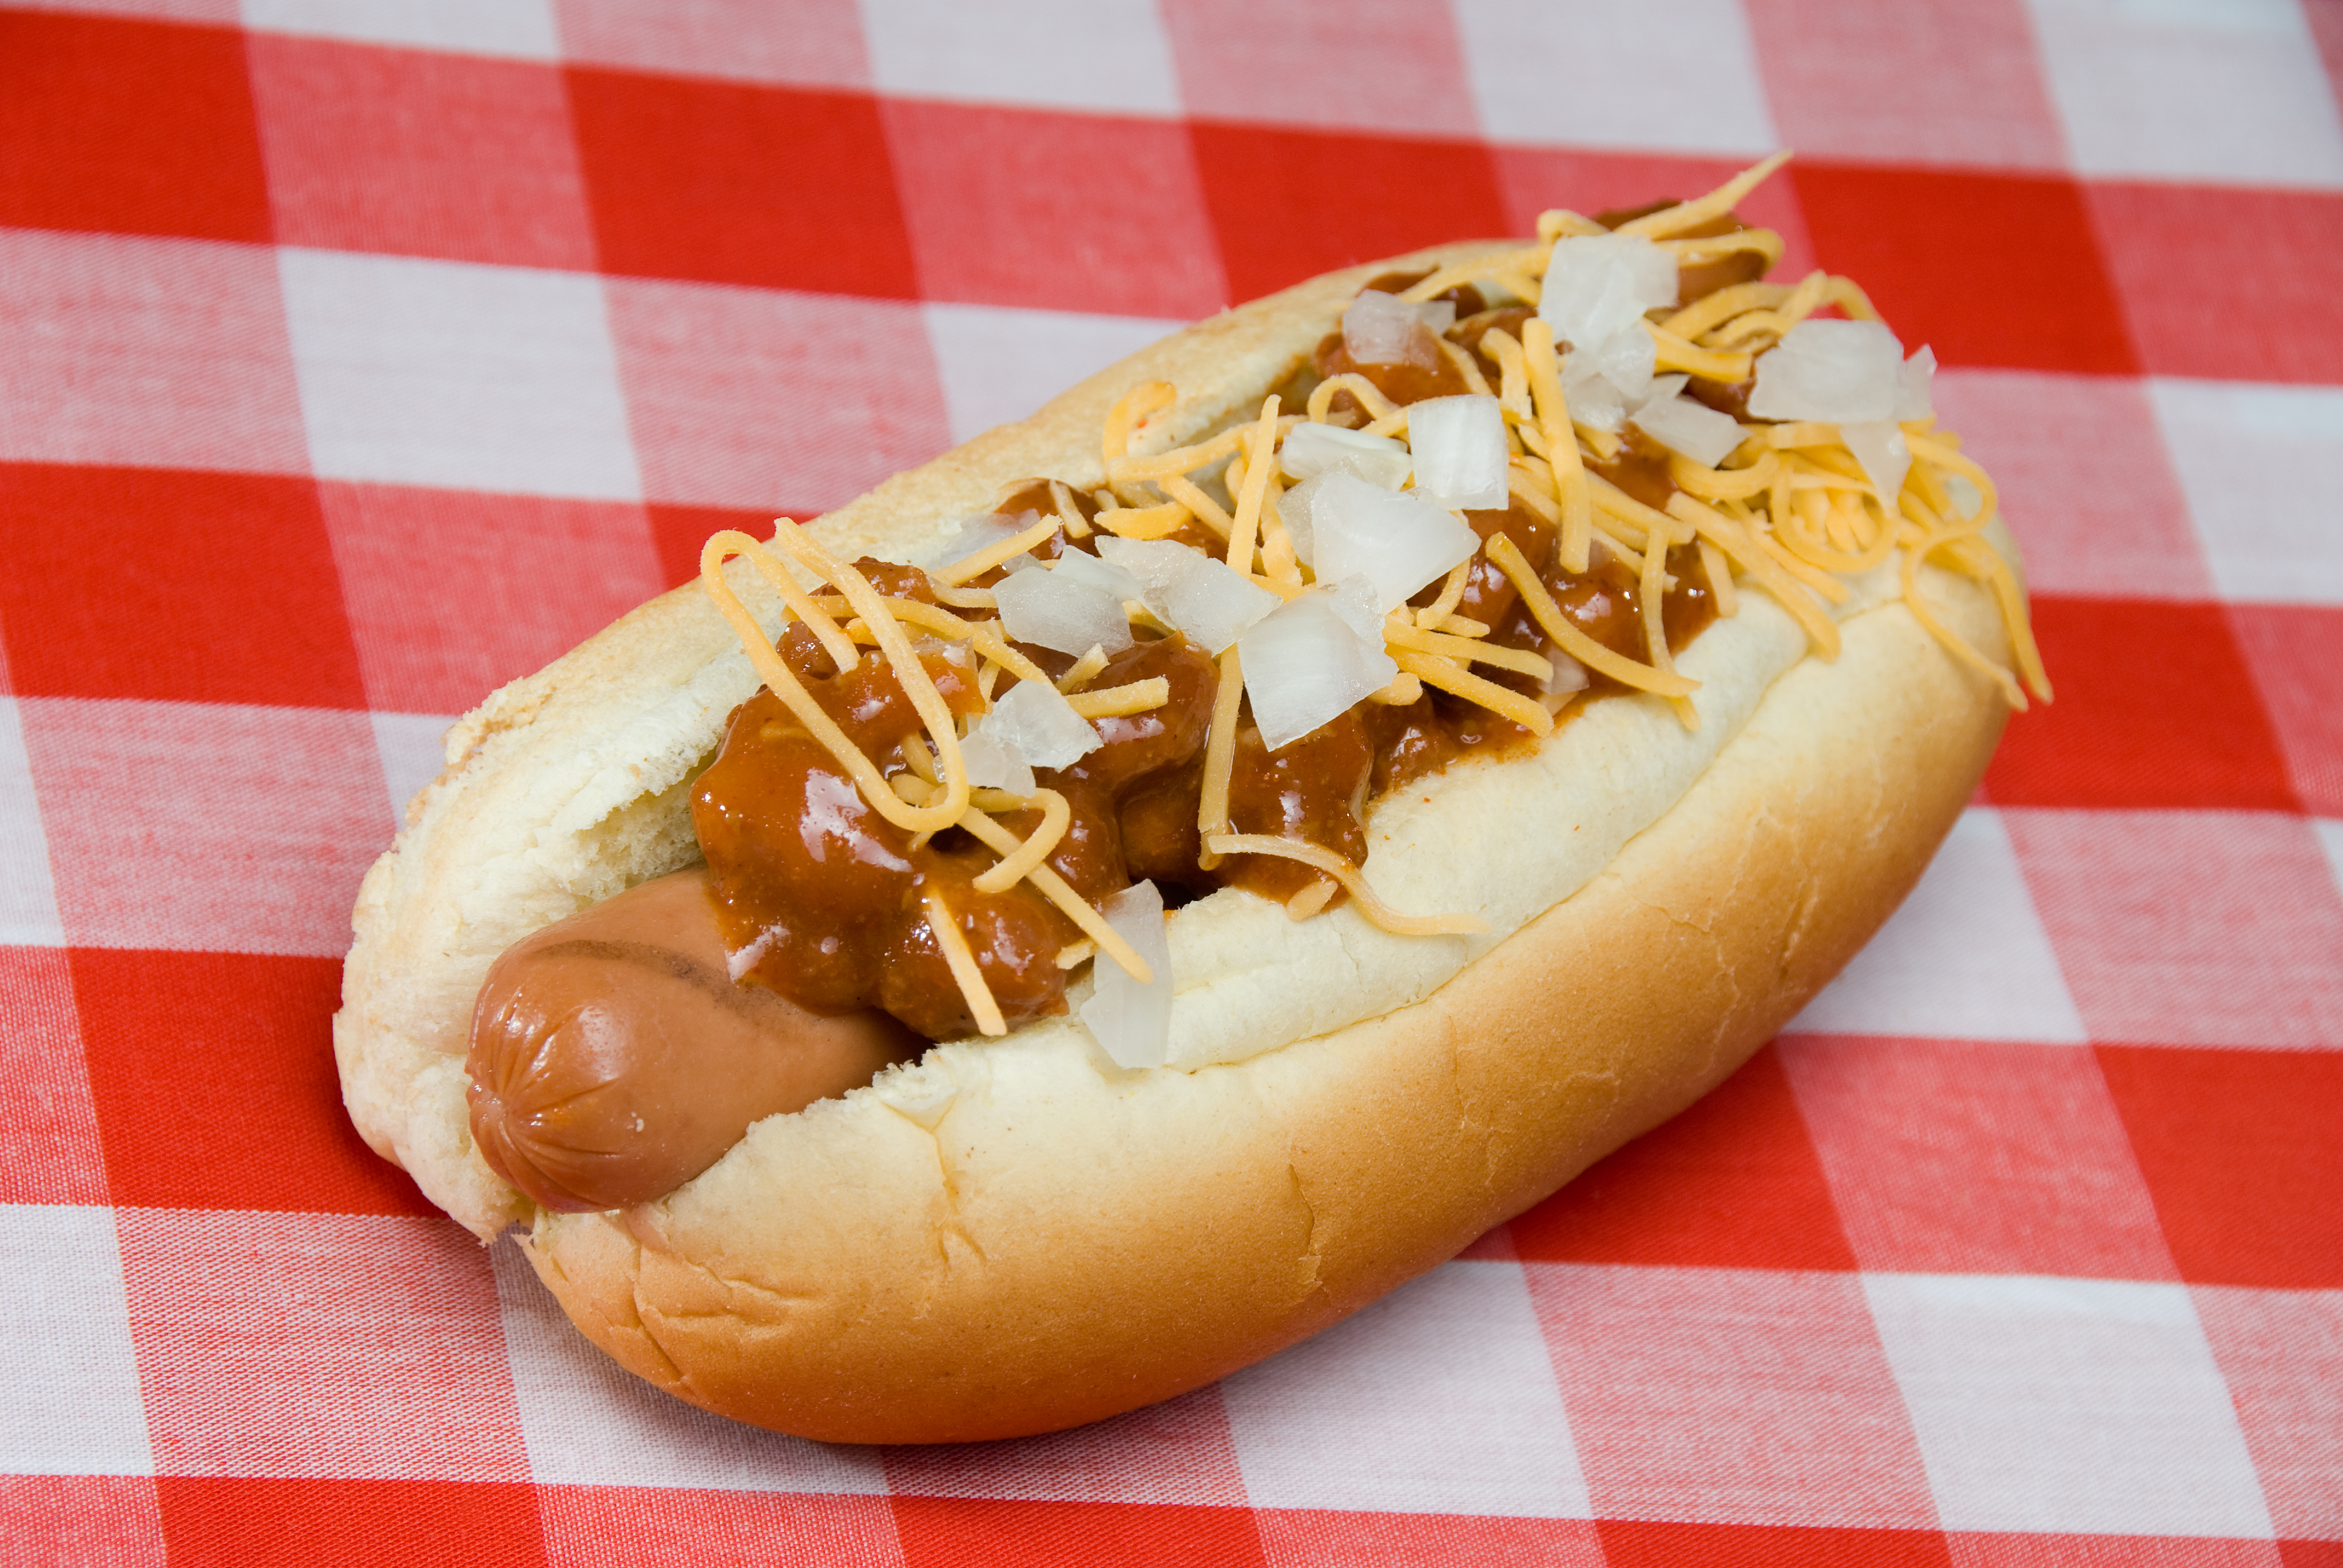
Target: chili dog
{"x":1606,"y":823}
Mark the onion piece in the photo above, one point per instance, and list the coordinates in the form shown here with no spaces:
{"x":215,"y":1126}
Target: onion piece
{"x":1398,"y":541}
{"x":1567,"y":675}
{"x":1458,"y":445}
{"x":1058,"y":611}
{"x":1600,"y":285}
{"x":1878,"y":445}
{"x":1696,"y":430}
{"x":1042,"y":725}
{"x":1130,"y":1022}
{"x":1838,"y":372}
{"x":1381,"y":328}
{"x":1312,"y":449}
{"x":993,"y":763}
{"x":1602,"y":384}
{"x":1189,"y":590}
{"x":979,"y":532}
{"x":1090,"y":571}
{"x":1914,"y":387}
{"x":1305,"y":663}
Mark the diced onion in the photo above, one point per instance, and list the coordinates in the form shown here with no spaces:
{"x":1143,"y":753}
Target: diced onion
{"x":1042,"y":725}
{"x":1699,"y":432}
{"x":1311,"y":450}
{"x":1189,"y":590}
{"x":981,"y":532}
{"x":1459,"y":449}
{"x":1568,"y":675}
{"x":1914,"y":392}
{"x":1838,"y":372}
{"x":1058,"y":611}
{"x":1879,"y":445}
{"x":1130,"y":1022}
{"x":1398,"y":542}
{"x":1091,"y":572}
{"x":1214,"y":604}
{"x":1604,"y":382}
{"x":1305,"y":663}
{"x":993,"y":763}
{"x":1381,"y":328}
{"x":1599,"y":284}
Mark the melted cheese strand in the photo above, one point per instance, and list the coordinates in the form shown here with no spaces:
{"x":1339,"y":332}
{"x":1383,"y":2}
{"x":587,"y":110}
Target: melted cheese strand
{"x":1320,"y":858}
{"x":1260,"y":448}
{"x":1510,"y":560}
{"x":962,"y":962}
{"x":1220,"y":748}
{"x":806,"y":607}
{"x":1736,"y":543}
{"x":1143,"y":522}
{"x":1450,"y":676}
{"x":993,"y":554}
{"x":1716,"y":204}
{"x":1122,"y":701}
{"x":1652,"y":587}
{"x":1019,"y":863}
{"x":1561,"y":443}
{"x":1053,"y":886}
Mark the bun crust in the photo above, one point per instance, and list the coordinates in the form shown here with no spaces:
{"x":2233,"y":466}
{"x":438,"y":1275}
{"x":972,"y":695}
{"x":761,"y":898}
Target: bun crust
{"x":1016,"y":1237}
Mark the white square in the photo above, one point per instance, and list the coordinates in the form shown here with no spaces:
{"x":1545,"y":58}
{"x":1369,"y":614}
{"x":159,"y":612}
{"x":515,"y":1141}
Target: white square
{"x":1001,"y":364}
{"x":70,"y":1404}
{"x":2191,"y":89}
{"x":588,"y":1422}
{"x":1109,"y":55}
{"x":1438,"y":1399}
{"x":520,"y":29}
{"x":2256,"y":463}
{"x":1595,"y":74}
{"x":1966,"y":957}
{"x":2089,"y":1406}
{"x":414,"y":752}
{"x":28,"y":898}
{"x":446,"y":373}
{"x":819,"y":44}
{"x":2330,"y":839}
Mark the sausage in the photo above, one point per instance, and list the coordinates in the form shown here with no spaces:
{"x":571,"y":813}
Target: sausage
{"x":613,"y":1059}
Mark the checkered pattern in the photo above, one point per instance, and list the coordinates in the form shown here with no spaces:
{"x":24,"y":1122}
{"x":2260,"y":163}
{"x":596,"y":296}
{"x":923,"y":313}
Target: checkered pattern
{"x":318,"y":318}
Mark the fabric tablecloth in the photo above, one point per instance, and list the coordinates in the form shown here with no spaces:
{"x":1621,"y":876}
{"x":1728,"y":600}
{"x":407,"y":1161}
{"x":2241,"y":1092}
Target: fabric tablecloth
{"x":357,"y":356}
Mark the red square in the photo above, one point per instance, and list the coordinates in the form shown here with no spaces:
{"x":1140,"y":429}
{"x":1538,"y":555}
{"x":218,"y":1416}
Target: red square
{"x":2242,"y":1151}
{"x":217,"y":1522}
{"x":1652,"y":1543}
{"x":1733,"y":1182}
{"x":318,"y":1346}
{"x":2156,"y":707}
{"x":2188,"y":927}
{"x":1292,"y":204}
{"x":2295,"y":652}
{"x":1962,"y":1157}
{"x":207,"y":828}
{"x":1939,"y":82}
{"x":1054,"y":211}
{"x":2020,"y":1549}
{"x":1538,"y":178}
{"x":654,"y":1527}
{"x":78,"y":1519}
{"x":752,"y":397}
{"x":1371,"y":64}
{"x":452,"y":593}
{"x":679,"y":533}
{"x":215,"y":588}
{"x":419,"y":154}
{"x":2085,"y":478}
{"x":2226,"y":282}
{"x":974,"y":1532}
{"x":1313,"y":1538}
{"x":2311,"y":1554}
{"x":1990,"y":269}
{"x":2281,"y":1353}
{"x":152,"y":353}
{"x":268,"y":1130}
{"x":1730,"y":1397}
{"x":725,"y":183}
{"x":135,"y":127}
{"x":49,"y":1149}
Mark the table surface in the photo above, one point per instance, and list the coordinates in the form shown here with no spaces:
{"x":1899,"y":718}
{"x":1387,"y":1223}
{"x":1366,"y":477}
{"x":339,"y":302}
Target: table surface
{"x":356,"y":355}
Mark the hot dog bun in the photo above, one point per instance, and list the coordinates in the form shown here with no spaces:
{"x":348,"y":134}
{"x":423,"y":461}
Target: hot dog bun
{"x":1015,"y":1237}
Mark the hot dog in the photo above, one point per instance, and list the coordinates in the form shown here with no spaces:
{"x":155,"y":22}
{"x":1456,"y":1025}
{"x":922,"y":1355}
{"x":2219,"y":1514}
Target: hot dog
{"x":1470,"y":988}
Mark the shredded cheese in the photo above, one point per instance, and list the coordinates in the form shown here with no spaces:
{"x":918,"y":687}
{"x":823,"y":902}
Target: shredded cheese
{"x":962,"y":962}
{"x":1320,"y":858}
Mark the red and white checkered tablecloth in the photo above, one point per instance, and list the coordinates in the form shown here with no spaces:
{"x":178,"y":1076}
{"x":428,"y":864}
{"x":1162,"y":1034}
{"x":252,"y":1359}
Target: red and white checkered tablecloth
{"x":356,"y":355}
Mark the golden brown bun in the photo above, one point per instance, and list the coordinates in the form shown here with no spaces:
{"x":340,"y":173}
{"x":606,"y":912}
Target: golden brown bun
{"x":1015,"y":1237}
